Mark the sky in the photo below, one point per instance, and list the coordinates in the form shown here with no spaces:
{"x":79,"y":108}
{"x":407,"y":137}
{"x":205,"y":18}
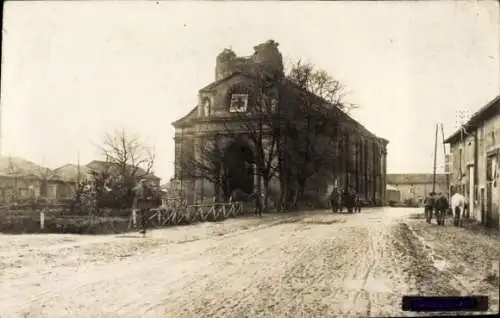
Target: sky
{"x":74,"y":71}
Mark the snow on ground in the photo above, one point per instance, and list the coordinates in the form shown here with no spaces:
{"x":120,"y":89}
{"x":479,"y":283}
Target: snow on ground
{"x":313,"y":264}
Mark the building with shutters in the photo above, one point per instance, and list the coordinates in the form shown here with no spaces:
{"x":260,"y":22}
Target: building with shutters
{"x":474,"y":160}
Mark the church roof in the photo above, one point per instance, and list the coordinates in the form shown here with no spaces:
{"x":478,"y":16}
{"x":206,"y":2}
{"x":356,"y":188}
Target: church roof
{"x":335,"y":110}
{"x":215,"y":83}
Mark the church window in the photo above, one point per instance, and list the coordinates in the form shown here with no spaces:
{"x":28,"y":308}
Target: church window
{"x":238,"y":103}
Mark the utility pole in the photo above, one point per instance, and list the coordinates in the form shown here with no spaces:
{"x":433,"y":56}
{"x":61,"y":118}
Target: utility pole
{"x":435,"y":157}
{"x":446,"y":163}
{"x":181,"y":172}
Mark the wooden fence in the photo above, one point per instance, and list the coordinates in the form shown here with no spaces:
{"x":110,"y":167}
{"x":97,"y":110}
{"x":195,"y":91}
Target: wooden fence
{"x":175,"y":212}
{"x":189,"y":214}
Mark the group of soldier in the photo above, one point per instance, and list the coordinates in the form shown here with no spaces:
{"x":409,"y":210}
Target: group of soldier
{"x":436,"y":203}
{"x":340,"y":198}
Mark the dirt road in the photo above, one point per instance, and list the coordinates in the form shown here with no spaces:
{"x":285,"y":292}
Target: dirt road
{"x":313,"y":264}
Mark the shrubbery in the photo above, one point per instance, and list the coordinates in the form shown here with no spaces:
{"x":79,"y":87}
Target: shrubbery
{"x":29,"y":222}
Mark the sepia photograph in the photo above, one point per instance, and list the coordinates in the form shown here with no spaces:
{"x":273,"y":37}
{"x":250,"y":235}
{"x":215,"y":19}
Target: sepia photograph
{"x":250,"y":159}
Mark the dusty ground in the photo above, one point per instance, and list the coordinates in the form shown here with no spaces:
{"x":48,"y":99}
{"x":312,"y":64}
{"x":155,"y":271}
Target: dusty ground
{"x":303,"y":265}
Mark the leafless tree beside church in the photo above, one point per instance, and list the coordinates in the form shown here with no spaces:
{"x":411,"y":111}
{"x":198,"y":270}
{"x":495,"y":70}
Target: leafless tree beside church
{"x":312,"y":134}
{"x":127,"y":159}
{"x":294,"y":143}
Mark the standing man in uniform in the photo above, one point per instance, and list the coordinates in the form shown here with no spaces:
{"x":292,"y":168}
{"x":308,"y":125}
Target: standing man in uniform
{"x":357,"y":202}
{"x":334,"y":200}
{"x":429,"y":206}
{"x":143,"y":198}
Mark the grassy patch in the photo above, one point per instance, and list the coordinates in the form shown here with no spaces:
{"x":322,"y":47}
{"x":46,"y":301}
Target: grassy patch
{"x":288,"y":220}
{"x":417,"y":216}
{"x":320,"y":222}
{"x":477,"y":227}
{"x":27,"y":224}
{"x":492,"y":279}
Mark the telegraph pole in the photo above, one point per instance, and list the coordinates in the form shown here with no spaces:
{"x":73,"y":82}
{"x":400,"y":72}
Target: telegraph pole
{"x":181,"y":172}
{"x":445,"y":160}
{"x":435,"y":157}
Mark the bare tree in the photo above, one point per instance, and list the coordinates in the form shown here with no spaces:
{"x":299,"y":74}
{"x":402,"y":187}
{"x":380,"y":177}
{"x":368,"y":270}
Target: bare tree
{"x":292,"y":127}
{"x":128,"y":159}
{"x":261,"y":124}
{"x":320,"y":83}
{"x":129,"y":153}
{"x":313,"y":130}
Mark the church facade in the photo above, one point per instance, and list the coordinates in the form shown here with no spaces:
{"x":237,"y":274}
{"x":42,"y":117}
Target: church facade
{"x":237,"y":89}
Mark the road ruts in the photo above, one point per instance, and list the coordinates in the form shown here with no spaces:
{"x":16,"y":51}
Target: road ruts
{"x":314,"y":264}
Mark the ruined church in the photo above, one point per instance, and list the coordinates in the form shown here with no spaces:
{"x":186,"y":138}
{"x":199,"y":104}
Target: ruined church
{"x":362,"y":166}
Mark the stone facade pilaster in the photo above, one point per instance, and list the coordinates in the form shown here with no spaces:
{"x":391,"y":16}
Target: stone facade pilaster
{"x":369,"y":172}
{"x":376,"y":176}
{"x":376,"y":172}
{"x":198,"y":182}
{"x":384,"y":175}
{"x":177,"y":158}
{"x":363,"y":167}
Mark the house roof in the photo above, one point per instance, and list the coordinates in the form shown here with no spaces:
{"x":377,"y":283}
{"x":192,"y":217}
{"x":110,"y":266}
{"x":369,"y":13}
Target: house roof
{"x":415,"y":178}
{"x":99,"y":165}
{"x":69,"y":172}
{"x":488,"y":111}
{"x":19,"y":167}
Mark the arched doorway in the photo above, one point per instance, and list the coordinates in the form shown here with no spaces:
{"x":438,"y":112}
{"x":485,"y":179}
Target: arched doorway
{"x":238,"y":172}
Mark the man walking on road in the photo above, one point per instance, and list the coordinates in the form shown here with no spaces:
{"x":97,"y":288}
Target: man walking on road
{"x":143,"y":199}
{"x":429,"y":206}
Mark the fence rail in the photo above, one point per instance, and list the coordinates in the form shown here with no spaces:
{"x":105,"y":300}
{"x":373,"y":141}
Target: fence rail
{"x":175,"y":212}
{"x":189,"y":214}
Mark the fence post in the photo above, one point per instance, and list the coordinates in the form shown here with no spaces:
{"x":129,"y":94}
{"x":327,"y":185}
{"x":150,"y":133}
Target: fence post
{"x":159,"y":216}
{"x":42,"y":218}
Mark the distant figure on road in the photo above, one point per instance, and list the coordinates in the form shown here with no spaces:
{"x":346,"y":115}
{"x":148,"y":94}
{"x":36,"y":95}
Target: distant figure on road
{"x":357,"y":202}
{"x":429,"y":206}
{"x":441,"y":206}
{"x":237,"y":195}
{"x":347,"y":201}
{"x":143,"y":197}
{"x":340,"y":200}
{"x":334,"y":200}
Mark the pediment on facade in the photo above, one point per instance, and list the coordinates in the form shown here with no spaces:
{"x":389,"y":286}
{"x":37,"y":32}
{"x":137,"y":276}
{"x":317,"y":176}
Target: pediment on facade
{"x":214,"y":85}
{"x":186,"y":119}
